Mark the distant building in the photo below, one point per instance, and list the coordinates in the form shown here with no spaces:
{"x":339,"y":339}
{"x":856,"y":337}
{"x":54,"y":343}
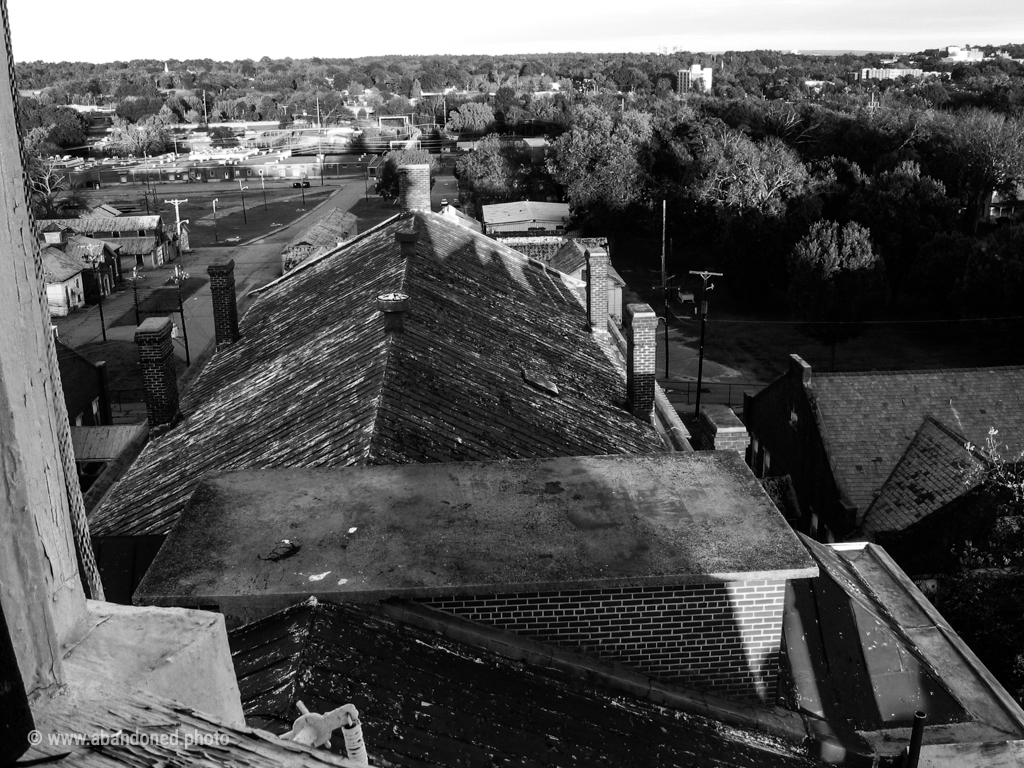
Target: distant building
{"x":955,"y":53}
{"x":688,"y":78}
{"x":526,"y":216}
{"x":889,"y":73}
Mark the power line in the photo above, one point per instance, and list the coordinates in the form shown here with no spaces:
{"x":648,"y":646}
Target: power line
{"x":871,"y":322}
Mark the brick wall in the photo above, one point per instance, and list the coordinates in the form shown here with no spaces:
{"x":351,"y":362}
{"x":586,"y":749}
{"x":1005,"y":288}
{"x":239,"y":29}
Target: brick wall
{"x":159,"y":377}
{"x":414,"y":187}
{"x":719,"y":429}
{"x":225,"y":304}
{"x":639,"y":326}
{"x":717,"y":637}
{"x":597,"y":288}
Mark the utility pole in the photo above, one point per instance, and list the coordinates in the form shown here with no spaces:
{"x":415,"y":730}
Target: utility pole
{"x":181,"y":276}
{"x":215,"y":238}
{"x":264,"y":186}
{"x":664,"y":283}
{"x":177,"y":213}
{"x":241,"y":192}
{"x":704,"y":274}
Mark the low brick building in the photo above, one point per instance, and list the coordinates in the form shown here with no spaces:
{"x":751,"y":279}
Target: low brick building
{"x":673,"y":564}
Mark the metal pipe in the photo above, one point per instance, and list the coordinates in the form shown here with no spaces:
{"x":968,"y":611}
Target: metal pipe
{"x":916,"y":735}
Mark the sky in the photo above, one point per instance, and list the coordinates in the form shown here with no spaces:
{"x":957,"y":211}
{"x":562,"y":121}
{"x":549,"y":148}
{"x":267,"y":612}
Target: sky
{"x":225,"y":31}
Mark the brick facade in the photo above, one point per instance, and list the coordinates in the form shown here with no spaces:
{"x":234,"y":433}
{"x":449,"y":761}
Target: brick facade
{"x":225,"y":305}
{"x":723,"y":638}
{"x":719,"y":429}
{"x":597,"y":288}
{"x":639,"y":326}
{"x":159,"y":377}
{"x":414,"y":187}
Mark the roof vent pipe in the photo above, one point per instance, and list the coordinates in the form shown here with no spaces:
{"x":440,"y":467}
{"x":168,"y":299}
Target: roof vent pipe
{"x":394,"y":306}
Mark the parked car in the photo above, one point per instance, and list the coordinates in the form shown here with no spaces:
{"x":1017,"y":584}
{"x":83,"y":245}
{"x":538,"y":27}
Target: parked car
{"x":298,"y":184}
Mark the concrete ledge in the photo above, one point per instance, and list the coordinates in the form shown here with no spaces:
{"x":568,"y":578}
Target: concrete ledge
{"x":823,"y":742}
{"x":174,"y":653}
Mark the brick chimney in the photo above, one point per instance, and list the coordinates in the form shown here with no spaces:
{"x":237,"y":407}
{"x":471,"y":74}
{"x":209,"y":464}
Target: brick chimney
{"x":414,"y":187}
{"x":407,"y":240}
{"x":159,"y":377}
{"x":799,"y":369}
{"x":225,"y":305}
{"x":640,"y":324}
{"x":597,"y":289}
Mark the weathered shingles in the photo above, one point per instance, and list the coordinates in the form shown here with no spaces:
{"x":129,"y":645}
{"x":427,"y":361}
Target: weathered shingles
{"x":427,"y":701}
{"x":870,"y":418}
{"x":936,"y":468}
{"x":314,"y":381}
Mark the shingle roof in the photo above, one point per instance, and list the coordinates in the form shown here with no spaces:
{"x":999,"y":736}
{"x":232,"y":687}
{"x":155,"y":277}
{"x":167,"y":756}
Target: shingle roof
{"x":427,"y":701}
{"x":936,"y":468}
{"x":92,"y":224}
{"x":135,"y":246}
{"x":327,"y":231}
{"x":82,"y":247}
{"x":314,"y":380}
{"x":869,"y":419}
{"x":572,"y":256}
{"x":58,"y":266}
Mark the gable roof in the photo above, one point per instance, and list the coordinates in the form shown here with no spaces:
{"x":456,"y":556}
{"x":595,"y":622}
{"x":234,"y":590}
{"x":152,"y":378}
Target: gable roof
{"x":58,"y":266}
{"x":426,"y":700}
{"x":936,"y":468}
{"x":327,"y":231}
{"x":315,"y":381}
{"x":572,"y":257}
{"x":92,"y":224}
{"x":869,"y":419}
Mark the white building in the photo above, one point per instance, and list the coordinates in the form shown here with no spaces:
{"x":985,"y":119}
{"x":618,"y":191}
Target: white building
{"x":695,"y":74}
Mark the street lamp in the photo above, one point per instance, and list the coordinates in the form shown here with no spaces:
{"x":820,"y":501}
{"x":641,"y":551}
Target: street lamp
{"x":321,"y":158}
{"x":136,"y":276}
{"x":96,"y":261}
{"x":215,"y":239}
{"x":264,"y":185}
{"x":704,"y":274}
{"x":241,"y":191}
{"x":181,"y":276}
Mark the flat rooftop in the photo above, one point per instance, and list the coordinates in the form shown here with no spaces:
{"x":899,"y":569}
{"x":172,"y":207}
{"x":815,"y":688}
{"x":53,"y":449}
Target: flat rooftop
{"x":254,"y":541}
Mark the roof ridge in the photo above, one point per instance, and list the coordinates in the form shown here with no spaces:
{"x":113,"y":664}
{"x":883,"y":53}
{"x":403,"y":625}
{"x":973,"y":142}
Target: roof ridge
{"x":389,"y":345}
{"x":304,"y":265}
{"x":916,"y":371}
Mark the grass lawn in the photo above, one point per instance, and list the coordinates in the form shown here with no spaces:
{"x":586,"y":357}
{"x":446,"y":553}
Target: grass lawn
{"x":754,"y":344}
{"x":160,"y":299}
{"x":123,"y":373}
{"x":234,"y":226}
{"x":372,"y":212}
{"x":757,"y":343}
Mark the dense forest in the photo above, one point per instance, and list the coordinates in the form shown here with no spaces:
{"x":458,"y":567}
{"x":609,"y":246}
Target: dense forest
{"x":781,"y":142}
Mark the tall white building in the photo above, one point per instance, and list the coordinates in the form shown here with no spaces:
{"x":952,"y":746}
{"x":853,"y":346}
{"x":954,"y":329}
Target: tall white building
{"x":695,"y":74}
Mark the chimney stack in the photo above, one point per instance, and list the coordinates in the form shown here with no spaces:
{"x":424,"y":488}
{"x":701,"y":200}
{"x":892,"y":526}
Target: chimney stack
{"x":225,"y":305}
{"x":597,"y":289}
{"x":407,"y":240}
{"x":414,"y":187}
{"x":640,"y":324}
{"x":394,"y":307}
{"x":159,"y":377}
{"x":799,"y":369}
